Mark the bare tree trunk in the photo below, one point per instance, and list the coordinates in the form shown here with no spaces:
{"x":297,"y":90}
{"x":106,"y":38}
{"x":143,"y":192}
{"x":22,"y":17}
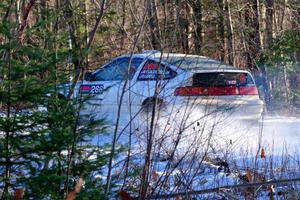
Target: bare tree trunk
{"x":169,"y":24}
{"x":221,"y":29}
{"x":153,"y":24}
{"x":287,"y":88}
{"x":123,"y":22}
{"x":229,"y":30}
{"x":190,"y":28}
{"x":24,"y":19}
{"x":182,"y":24}
{"x":254,"y":44}
{"x":86,"y":29}
{"x":294,"y":84}
{"x":197,"y":9}
{"x":253,"y":35}
{"x":242,"y":38}
{"x":269,"y":22}
{"x":294,"y":79}
{"x":282,"y":13}
{"x":7,"y":136}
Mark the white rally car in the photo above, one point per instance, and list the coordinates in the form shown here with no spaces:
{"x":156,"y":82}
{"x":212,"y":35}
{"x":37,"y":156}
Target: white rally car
{"x":129,"y":83}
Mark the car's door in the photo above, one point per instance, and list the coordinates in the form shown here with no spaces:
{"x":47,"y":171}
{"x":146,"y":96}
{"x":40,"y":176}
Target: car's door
{"x":151,"y":73}
{"x":104,"y":88}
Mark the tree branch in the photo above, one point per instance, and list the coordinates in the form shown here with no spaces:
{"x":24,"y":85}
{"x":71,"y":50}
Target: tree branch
{"x":24,"y":19}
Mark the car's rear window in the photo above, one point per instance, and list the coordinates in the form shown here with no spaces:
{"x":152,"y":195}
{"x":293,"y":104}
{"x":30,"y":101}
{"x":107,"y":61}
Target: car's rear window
{"x":222,"y":79}
{"x":194,"y":62}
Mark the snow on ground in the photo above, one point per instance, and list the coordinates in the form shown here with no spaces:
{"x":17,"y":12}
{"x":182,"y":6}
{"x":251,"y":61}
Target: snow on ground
{"x":226,"y":135}
{"x":283,"y":132}
{"x":235,"y":142}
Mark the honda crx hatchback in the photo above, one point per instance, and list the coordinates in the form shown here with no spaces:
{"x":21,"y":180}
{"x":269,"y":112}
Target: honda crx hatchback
{"x":128,"y":86}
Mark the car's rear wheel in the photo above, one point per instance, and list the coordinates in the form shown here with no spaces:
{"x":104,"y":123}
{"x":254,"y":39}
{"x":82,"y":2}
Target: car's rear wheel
{"x":148,"y":103}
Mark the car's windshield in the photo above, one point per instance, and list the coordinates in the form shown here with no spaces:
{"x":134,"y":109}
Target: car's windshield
{"x":194,"y":62}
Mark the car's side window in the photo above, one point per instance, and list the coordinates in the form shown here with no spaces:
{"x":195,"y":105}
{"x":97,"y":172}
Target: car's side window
{"x":119,"y":69}
{"x":153,"y":70}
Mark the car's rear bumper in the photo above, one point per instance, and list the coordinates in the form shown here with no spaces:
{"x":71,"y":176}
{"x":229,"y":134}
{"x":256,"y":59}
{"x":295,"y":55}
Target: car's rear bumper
{"x":243,"y":108}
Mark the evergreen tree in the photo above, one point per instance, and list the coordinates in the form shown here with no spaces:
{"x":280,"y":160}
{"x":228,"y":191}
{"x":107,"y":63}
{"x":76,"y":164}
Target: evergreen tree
{"x":45,"y":146}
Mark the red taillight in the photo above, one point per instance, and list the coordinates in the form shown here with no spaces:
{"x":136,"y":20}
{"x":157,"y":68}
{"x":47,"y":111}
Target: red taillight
{"x":248,"y":90}
{"x":190,"y":91}
{"x":215,"y":91}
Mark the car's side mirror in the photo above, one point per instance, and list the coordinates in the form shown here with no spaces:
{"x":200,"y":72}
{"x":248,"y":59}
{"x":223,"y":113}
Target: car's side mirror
{"x":88,"y":76}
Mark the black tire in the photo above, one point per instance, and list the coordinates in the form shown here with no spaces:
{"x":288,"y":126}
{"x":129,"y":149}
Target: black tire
{"x":148,"y":103}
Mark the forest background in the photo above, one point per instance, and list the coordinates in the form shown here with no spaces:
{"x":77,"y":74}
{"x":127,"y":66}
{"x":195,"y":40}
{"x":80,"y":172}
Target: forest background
{"x":44,"y":43}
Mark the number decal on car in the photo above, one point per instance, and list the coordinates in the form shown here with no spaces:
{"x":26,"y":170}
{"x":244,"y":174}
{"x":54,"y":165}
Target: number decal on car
{"x":97,"y":89}
{"x":92,"y":89}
